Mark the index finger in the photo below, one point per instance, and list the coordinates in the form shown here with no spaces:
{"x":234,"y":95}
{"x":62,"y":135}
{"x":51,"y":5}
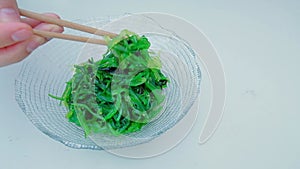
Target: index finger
{"x":9,"y":11}
{"x":8,"y":4}
{"x":34,"y":23}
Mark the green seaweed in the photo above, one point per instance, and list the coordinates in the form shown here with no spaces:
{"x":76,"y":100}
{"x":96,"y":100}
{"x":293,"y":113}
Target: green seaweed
{"x":120,"y":93}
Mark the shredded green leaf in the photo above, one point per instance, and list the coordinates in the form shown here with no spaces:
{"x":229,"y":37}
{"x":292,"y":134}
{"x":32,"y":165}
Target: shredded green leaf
{"x":120,"y":93}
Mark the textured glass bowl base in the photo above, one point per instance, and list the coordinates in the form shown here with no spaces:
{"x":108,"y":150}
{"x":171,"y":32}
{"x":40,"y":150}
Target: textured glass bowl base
{"x":48,"y":68}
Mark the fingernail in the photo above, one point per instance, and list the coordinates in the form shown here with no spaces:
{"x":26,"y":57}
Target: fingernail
{"x":35,"y":43}
{"x":8,"y":15}
{"x":56,"y":29}
{"x":21,"y":35}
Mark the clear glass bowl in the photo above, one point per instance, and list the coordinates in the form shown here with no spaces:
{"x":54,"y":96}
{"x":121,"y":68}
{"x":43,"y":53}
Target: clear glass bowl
{"x":47,"y":69}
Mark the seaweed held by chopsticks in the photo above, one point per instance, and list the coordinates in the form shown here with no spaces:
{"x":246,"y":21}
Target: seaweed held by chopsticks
{"x":120,"y":93}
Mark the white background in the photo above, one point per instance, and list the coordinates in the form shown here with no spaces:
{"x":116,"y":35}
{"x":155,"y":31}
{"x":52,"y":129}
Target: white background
{"x":258,"y":43}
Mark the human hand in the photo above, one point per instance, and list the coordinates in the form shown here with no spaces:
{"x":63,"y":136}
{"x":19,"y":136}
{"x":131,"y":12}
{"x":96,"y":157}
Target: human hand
{"x":16,"y":37}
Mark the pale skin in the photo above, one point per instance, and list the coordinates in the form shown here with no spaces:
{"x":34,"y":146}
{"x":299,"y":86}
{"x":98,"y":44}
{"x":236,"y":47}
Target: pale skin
{"x":16,"y":38}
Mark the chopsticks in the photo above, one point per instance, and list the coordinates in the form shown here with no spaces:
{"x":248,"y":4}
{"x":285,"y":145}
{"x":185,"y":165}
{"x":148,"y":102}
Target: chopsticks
{"x":67,"y":24}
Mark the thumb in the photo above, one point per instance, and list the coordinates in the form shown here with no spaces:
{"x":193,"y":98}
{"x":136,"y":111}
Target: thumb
{"x":9,"y":11}
{"x":14,"y":32}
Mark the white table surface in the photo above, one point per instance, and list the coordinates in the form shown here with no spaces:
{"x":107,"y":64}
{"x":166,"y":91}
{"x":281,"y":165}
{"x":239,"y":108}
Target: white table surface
{"x":258,"y":43}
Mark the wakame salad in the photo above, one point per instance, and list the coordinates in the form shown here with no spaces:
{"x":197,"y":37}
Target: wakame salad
{"x":120,"y":93}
